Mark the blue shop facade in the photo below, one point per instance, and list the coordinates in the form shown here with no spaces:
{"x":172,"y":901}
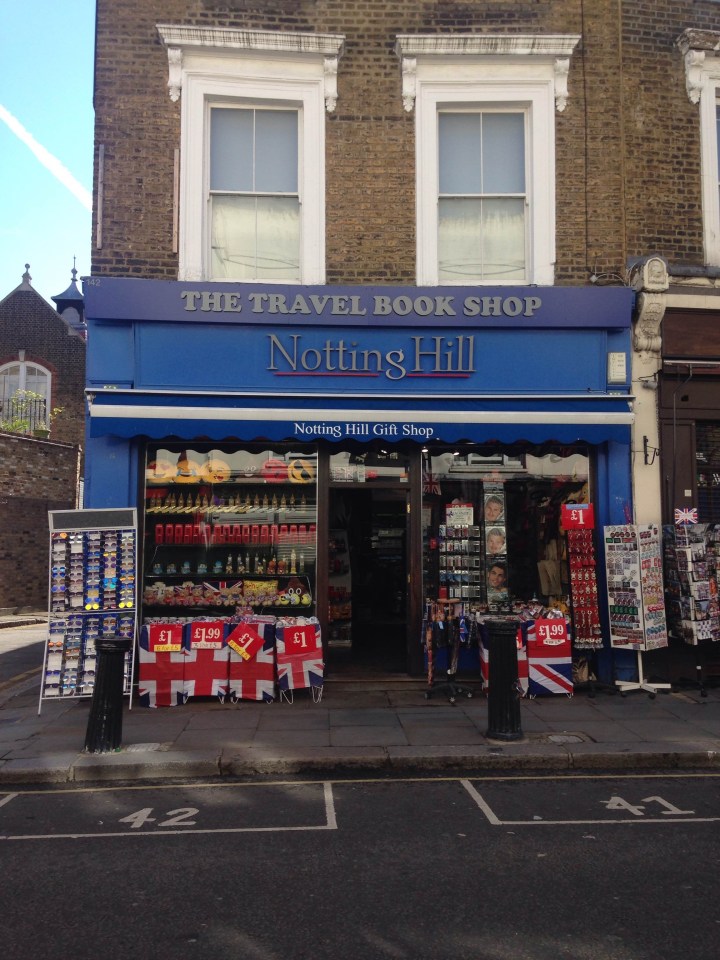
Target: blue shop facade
{"x":359,"y":454}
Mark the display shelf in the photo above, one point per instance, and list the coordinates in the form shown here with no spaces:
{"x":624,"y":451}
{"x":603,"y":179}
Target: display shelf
{"x":339,"y":590}
{"x":219,"y":544}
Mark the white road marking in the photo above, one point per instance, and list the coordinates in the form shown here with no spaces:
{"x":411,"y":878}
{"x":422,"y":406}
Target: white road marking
{"x":328,"y":802}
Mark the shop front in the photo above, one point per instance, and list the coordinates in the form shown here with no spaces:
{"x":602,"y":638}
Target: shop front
{"x":358,"y":454}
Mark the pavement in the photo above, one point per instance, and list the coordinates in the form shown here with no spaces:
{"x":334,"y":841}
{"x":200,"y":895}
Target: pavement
{"x":380,"y":727}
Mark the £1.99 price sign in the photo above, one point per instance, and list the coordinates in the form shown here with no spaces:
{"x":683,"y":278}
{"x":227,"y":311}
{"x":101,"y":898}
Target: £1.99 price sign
{"x":551,"y":633}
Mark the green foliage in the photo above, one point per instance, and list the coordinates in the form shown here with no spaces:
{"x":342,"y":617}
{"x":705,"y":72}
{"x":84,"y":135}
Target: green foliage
{"x":25,"y":412}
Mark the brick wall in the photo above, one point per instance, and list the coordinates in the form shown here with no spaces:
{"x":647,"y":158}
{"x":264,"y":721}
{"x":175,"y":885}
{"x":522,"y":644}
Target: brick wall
{"x":37,"y":476}
{"x":29,"y":323}
{"x":627,"y":144}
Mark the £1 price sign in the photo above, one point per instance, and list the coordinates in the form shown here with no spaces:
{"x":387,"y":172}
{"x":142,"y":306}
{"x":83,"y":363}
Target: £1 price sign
{"x":206,"y":635}
{"x":551,"y":633}
{"x":165,"y":637}
{"x":245,"y":641}
{"x":299,"y":639}
{"x":577,"y":516}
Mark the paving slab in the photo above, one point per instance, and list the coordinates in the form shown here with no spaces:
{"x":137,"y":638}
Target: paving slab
{"x":372,"y":735}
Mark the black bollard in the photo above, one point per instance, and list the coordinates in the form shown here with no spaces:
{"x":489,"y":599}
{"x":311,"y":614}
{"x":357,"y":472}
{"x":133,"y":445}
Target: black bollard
{"x":104,"y":729}
{"x":503,"y":684}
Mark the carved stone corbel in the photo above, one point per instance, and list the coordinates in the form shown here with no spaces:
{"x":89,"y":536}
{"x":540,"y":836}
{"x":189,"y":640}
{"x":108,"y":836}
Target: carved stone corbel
{"x":694,"y":63}
{"x":330,"y":71}
{"x":646,"y":332}
{"x":409,"y":82}
{"x":562,"y":69}
{"x":175,"y":72}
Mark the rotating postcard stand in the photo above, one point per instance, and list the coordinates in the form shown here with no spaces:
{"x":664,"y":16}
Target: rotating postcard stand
{"x":633,"y":557}
{"x":92,"y":590}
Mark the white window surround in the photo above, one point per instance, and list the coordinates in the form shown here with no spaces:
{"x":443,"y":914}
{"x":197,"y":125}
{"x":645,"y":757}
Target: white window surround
{"x":24,"y":368}
{"x":702,"y":81}
{"x":527,"y":73}
{"x":253,"y":67}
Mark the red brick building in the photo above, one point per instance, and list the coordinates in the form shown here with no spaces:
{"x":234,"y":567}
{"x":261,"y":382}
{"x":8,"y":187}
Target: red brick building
{"x":41,"y":352}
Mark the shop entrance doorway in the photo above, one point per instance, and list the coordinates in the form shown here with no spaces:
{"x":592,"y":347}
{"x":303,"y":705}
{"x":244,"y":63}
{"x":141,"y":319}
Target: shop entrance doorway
{"x":367,"y":582}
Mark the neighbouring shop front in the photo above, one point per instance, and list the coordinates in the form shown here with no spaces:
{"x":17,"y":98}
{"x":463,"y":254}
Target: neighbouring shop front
{"x":359,"y":454}
{"x":689,"y":414}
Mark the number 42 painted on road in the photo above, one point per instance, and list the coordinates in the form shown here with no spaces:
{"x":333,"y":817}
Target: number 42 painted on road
{"x":617,"y":803}
{"x":177,"y":818}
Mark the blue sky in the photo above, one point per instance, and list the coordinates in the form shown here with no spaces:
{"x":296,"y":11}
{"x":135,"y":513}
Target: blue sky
{"x":46,"y":141}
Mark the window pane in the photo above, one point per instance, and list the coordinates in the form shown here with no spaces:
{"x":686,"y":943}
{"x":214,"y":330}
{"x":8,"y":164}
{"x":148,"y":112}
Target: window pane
{"x":276,"y":151}
{"x":36,"y":380}
{"x":233,"y":238}
{"x":503,"y":153}
{"x":255,"y":238}
{"x":481,"y":240}
{"x":278,"y":238}
{"x":231,"y":149}
{"x":460,"y":149}
{"x":503,"y":240}
{"x":9,"y":381}
{"x":459,"y":240}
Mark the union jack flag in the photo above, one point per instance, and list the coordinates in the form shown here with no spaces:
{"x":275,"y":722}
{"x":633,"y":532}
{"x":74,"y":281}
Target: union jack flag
{"x":431,"y":484}
{"x":161,"y":672}
{"x":522,"y":663}
{"x":254,"y":678}
{"x":550,"y":666}
{"x":685,"y":516}
{"x":207,"y":672}
{"x":299,"y":654}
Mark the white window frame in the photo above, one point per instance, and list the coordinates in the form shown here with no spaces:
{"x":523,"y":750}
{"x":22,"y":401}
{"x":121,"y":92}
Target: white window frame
{"x":527,"y":73}
{"x":260,"y":69}
{"x":702,"y":81}
{"x":22,"y":380}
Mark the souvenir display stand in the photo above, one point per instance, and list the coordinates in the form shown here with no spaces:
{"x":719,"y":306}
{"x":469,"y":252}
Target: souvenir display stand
{"x":692,"y":558}
{"x":633,"y":559}
{"x":445,"y":627}
{"x":246,"y":657}
{"x":92,"y":591}
{"x":577,"y":520}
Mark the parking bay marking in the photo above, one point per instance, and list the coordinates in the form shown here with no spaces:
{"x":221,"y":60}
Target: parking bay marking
{"x":636,"y":811}
{"x":182,"y":818}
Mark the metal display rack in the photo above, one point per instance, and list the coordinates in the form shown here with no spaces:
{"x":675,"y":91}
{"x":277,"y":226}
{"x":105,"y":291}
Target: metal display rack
{"x":92,"y":592}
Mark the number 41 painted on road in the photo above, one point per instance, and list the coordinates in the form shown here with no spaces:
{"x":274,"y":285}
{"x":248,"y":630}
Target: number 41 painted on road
{"x":617,"y":803}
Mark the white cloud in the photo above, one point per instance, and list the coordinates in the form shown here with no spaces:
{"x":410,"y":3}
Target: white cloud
{"x":51,"y":163}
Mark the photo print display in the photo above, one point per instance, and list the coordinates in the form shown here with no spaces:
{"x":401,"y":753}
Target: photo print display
{"x":494,"y":508}
{"x":495,"y":540}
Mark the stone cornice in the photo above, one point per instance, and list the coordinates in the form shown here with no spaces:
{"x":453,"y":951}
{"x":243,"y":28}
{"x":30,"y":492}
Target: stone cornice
{"x":555,"y":47}
{"x":322,"y":46}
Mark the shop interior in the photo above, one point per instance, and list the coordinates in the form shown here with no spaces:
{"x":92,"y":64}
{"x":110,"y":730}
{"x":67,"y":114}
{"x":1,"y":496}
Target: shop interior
{"x":368,"y":580}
